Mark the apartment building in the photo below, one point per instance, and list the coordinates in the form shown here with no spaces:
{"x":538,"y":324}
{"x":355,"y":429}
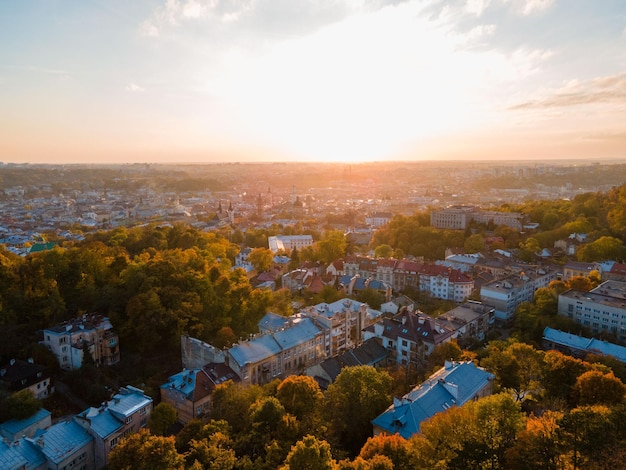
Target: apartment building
{"x":601,"y":309}
{"x":69,"y":340}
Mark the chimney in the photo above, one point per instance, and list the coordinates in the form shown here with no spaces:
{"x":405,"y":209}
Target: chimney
{"x":30,"y":360}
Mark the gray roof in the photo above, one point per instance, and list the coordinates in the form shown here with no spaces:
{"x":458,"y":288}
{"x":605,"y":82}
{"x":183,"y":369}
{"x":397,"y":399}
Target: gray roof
{"x":254,"y":350}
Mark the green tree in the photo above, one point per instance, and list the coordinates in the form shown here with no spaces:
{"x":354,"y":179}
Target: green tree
{"x":143,"y":451}
{"x":357,"y":396}
{"x":162,"y":418}
{"x":383,"y":251}
{"x":261,"y":259}
{"x":310,"y":454}
{"x":20,"y":405}
{"x":332,"y":246}
{"x":475,"y":243}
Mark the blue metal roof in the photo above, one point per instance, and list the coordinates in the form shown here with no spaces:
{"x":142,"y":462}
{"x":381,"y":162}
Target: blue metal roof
{"x":453,"y":385}
{"x":299,"y":333}
{"x":272,"y":322}
{"x":184,"y":382}
{"x":101,"y":422}
{"x":128,"y":401}
{"x":63,"y":439}
{"x":254,"y":350}
{"x":13,"y":427}
{"x":21,"y":454}
{"x":585,"y":344}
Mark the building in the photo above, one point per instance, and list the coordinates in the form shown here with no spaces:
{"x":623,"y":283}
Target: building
{"x":601,"y":309}
{"x":578,"y":268}
{"x":445,"y":283}
{"x":189,"y":391}
{"x":471,"y":321}
{"x":93,"y":333}
{"x":410,"y":336}
{"x":66,"y":445}
{"x":13,"y":429}
{"x":126,"y":413}
{"x":370,"y":353}
{"x":342,"y":323}
{"x":453,"y":385}
{"x":579,"y":346}
{"x":278,"y":354}
{"x":288,"y":242}
{"x":459,"y":217}
{"x":19,"y":375}
{"x":378,"y":219}
{"x":506,"y":294}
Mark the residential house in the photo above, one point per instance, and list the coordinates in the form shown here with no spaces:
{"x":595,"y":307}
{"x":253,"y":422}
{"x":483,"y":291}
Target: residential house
{"x":601,"y":309}
{"x":370,"y":353}
{"x":66,"y":445}
{"x":453,"y":385}
{"x":19,"y":375}
{"x":342,"y":323}
{"x":410,"y":336}
{"x":506,"y":294}
{"x":579,"y":346}
{"x":470,"y":321}
{"x":578,"y":268}
{"x":189,"y":391}
{"x":69,"y":340}
{"x":445,"y":283}
{"x":278,"y":354}
{"x":126,"y":413}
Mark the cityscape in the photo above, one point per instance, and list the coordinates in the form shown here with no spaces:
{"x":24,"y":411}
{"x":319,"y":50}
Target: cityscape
{"x":298,"y":234}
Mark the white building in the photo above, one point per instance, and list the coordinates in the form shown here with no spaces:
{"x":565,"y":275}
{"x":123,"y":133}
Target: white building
{"x":289,"y":242}
{"x":601,"y":309}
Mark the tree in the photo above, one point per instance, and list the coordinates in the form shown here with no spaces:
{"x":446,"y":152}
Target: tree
{"x":310,"y":454}
{"x":498,"y":420}
{"x":394,"y":447}
{"x":332,"y":246}
{"x":261,"y":259}
{"x":560,"y":373}
{"x":143,"y":451}
{"x":357,"y":396}
{"x":300,"y":395}
{"x":20,"y":405}
{"x":582,"y":283}
{"x":597,"y":388}
{"x":214,"y":453}
{"x":475,"y":243}
{"x":536,"y":446}
{"x":383,"y":251}
{"x":162,"y":418}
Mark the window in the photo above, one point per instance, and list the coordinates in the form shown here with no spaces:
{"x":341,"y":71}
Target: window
{"x":142,"y":411}
{"x":129,"y":419}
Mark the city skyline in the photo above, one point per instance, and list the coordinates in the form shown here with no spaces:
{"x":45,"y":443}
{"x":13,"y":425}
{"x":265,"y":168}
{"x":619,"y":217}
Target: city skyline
{"x":274,"y":80}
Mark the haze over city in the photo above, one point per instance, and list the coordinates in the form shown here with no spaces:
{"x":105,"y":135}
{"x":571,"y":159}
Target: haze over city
{"x":279,"y":80}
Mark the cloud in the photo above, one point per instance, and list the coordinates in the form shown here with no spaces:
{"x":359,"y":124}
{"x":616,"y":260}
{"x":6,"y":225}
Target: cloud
{"x":605,"y":90}
{"x":530,"y":7}
{"x":134,"y":88}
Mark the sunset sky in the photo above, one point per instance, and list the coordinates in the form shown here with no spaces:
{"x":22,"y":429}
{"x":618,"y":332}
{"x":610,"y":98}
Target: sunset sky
{"x":316,"y":80}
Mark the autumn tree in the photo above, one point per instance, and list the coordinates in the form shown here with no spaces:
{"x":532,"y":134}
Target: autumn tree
{"x":537,"y":446}
{"x":597,"y":388}
{"x":143,"y":451}
{"x":310,"y":454}
{"x":301,"y":396}
{"x":394,"y":447}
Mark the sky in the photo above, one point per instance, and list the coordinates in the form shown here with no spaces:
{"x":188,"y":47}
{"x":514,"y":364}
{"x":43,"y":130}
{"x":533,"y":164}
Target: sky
{"x":118,"y":81}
